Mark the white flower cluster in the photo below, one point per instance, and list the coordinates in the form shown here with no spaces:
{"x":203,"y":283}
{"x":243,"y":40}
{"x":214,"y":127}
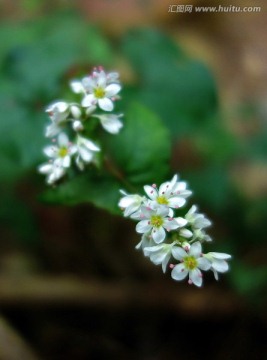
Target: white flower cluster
{"x":166,"y":236}
{"x":98,"y":92}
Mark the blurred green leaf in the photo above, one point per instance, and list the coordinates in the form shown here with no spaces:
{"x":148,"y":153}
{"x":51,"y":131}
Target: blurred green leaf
{"x":100,"y":190}
{"x":142,"y":150}
{"x":210,"y":186}
{"x":180,"y":90}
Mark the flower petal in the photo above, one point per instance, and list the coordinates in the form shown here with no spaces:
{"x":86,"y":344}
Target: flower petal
{"x":196,"y":277}
{"x":221,"y":256}
{"x":220,"y":265}
{"x":111,"y":123}
{"x":151,"y":192}
{"x":105,"y":104}
{"x":88,"y":100}
{"x":143,"y":226}
{"x":178,"y":253}
{"x":176,"y":202}
{"x":112,"y":89}
{"x":158,"y":235}
{"x":195,"y":249}
{"x":179,"y":272}
{"x":203,"y":263}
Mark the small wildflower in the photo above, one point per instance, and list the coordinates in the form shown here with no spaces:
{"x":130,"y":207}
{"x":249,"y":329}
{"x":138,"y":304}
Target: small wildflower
{"x":86,"y":150}
{"x":100,"y":90}
{"x":218,"y":262}
{"x":156,"y":222}
{"x":191,"y":264}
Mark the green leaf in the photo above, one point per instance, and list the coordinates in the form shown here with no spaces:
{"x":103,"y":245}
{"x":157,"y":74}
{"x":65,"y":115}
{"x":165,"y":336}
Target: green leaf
{"x":210,"y":185}
{"x":142,"y":149}
{"x":100,"y":190}
{"x":182,"y":91}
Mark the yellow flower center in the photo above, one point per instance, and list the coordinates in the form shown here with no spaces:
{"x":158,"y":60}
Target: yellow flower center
{"x":162,"y":200}
{"x":156,"y":221}
{"x":99,"y":93}
{"x":62,"y":152}
{"x":190,"y":262}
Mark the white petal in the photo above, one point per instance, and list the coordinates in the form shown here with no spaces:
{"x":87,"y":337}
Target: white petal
{"x":88,"y":100}
{"x":163,"y":211}
{"x":221,"y":256}
{"x":203,"y":263}
{"x":165,"y":262}
{"x":180,"y":221}
{"x":90,"y":145}
{"x":52,"y":130}
{"x":143,"y":226}
{"x":196,"y":277}
{"x":170,"y":224}
{"x":63,"y":140}
{"x":45,"y":168}
{"x":196,"y":249}
{"x":158,"y":235}
{"x":111,"y":123}
{"x":178,"y":253}
{"x":51,"y":151}
{"x":158,"y":257}
{"x":151,"y":192}
{"x":77,"y":87}
{"x":66,"y":161}
{"x":112,"y":89}
{"x":105,"y":104}
{"x":179,"y":272}
{"x":220,"y":265}
{"x":86,"y":155}
{"x":176,"y":202}
{"x":101,"y":79}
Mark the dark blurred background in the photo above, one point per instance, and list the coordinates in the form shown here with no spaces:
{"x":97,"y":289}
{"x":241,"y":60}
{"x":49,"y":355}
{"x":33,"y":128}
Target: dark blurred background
{"x":71,"y":283}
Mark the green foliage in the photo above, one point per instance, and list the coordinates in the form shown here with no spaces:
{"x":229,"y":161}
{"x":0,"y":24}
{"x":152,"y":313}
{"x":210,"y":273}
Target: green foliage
{"x":142,"y":150}
{"x":180,"y":89}
{"x":96,"y":188}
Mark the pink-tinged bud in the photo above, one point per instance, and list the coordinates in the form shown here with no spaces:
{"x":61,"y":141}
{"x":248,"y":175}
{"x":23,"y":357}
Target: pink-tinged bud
{"x":190,"y":282}
{"x":171,"y":266}
{"x":154,"y":186}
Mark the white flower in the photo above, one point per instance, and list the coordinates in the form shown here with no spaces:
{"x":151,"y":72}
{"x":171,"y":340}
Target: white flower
{"x":100,"y":90}
{"x":218,"y":263}
{"x":170,"y":193}
{"x":61,"y":153}
{"x":86,"y":151}
{"x":155,"y":221}
{"x":130,"y":203}
{"x":159,"y":254}
{"x":196,"y":220}
{"x":58,"y":113}
{"x":191,"y":263}
{"x":53,"y":171}
{"x":110,"y":122}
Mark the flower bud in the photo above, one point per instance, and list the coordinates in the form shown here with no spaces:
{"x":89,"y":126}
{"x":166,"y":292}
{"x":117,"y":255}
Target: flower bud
{"x":75,"y":111}
{"x":77,"y":125}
